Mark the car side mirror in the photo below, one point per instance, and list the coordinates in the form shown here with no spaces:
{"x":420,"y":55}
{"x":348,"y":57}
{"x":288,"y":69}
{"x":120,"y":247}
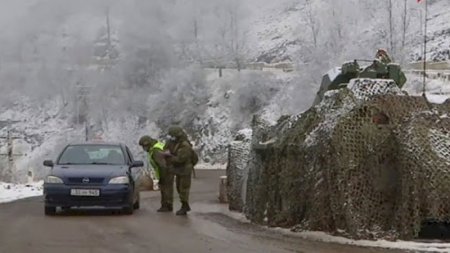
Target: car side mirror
{"x":48,"y":163}
{"x":137,"y":164}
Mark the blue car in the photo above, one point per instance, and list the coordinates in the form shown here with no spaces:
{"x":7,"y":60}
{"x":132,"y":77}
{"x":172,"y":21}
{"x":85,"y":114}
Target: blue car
{"x":92,"y":175}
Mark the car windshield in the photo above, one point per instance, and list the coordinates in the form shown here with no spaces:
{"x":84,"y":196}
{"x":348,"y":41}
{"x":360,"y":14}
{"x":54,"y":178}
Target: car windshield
{"x":92,"y":154}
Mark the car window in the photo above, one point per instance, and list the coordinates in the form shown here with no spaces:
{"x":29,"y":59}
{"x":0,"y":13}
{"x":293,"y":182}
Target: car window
{"x":92,"y":154}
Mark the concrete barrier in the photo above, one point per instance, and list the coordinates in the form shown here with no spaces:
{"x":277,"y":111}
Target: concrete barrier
{"x":223,"y":196}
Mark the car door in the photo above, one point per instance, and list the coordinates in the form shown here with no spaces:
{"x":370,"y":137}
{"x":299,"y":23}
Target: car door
{"x":135,"y":172}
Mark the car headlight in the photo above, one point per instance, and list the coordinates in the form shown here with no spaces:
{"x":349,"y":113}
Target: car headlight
{"x":119,"y":180}
{"x":53,"y":180}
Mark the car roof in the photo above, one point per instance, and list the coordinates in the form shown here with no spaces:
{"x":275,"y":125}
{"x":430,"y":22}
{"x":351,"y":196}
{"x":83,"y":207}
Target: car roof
{"x":97,"y":143}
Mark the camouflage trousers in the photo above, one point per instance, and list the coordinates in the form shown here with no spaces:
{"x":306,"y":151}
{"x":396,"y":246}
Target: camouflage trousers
{"x":166,"y":187}
{"x":183,"y":183}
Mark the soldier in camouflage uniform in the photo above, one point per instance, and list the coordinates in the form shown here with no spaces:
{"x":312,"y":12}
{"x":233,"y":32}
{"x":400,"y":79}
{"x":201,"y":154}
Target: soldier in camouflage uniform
{"x":383,"y":56}
{"x":182,"y":164}
{"x":157,"y":158}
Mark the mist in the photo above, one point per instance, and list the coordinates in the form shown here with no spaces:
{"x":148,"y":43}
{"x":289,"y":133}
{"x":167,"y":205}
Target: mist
{"x":50,"y":47}
{"x":122,"y":68}
{"x":123,"y":52}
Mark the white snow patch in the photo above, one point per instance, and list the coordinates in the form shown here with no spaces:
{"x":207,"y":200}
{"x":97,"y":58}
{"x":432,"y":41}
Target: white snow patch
{"x":331,"y":116}
{"x":436,"y":98}
{"x":327,"y":238}
{"x":437,"y":86}
{"x":247,"y":133}
{"x":334,"y":72}
{"x":208,"y":166}
{"x":437,"y":91}
{"x":401,"y":245}
{"x":12,"y":192}
{"x":365,"y":89}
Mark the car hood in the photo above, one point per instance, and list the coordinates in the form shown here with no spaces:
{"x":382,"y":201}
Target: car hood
{"x":104,"y":171}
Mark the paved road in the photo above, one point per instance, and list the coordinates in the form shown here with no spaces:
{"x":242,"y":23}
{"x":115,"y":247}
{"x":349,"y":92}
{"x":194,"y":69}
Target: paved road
{"x":24,"y":228}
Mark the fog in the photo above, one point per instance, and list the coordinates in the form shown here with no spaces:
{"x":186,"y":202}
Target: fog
{"x":131,"y":55}
{"x":106,"y":58}
{"x":51,"y":45}
{"x":129,"y":67}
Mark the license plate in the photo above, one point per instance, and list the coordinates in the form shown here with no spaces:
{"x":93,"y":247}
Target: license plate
{"x":85,"y":192}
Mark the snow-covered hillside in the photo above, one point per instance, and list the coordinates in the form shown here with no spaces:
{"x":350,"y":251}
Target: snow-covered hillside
{"x":129,"y":73}
{"x":438,"y":42}
{"x":354,"y":29}
{"x":46,"y":128}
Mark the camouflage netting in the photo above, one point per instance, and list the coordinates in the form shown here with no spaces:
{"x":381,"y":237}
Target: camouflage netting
{"x":367,"y":162}
{"x":238,"y":153}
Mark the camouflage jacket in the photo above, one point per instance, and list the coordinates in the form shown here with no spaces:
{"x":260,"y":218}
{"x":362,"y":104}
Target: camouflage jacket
{"x":181,"y":159}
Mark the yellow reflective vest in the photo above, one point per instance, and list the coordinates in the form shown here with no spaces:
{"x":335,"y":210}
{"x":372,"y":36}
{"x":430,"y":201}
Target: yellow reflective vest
{"x":160,"y":147}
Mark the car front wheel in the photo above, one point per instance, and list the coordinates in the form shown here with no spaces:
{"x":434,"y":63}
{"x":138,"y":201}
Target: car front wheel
{"x":50,"y":210}
{"x":137,"y":204}
{"x":128,"y":210}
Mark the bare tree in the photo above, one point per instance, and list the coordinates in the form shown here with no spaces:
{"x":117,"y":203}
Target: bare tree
{"x":312,"y":21}
{"x":231,"y":44}
{"x":404,"y":22}
{"x":391,"y":26}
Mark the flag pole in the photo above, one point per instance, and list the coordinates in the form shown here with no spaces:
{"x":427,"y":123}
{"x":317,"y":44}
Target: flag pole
{"x":425,"y":50}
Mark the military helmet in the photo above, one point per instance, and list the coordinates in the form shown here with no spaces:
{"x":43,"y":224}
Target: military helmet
{"x":146,"y":140}
{"x":383,"y":55}
{"x":381,"y":52}
{"x":176,"y":131}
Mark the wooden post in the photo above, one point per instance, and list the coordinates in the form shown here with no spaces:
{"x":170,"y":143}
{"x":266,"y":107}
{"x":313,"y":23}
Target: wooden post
{"x":223,"y":195}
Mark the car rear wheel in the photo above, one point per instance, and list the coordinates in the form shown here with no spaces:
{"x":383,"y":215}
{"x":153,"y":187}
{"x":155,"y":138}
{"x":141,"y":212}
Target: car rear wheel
{"x":50,"y":210}
{"x":137,"y":204}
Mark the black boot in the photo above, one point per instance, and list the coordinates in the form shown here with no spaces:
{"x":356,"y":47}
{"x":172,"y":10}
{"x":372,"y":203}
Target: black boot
{"x":165,"y":209}
{"x":184,"y":209}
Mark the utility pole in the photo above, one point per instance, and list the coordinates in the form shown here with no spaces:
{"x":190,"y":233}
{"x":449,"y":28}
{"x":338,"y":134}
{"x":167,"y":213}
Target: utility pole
{"x":109,"y":49}
{"x":86,"y":132}
{"x":425,"y":49}
{"x":108,"y":28}
{"x":391,"y":28}
{"x":82,"y":104}
{"x":8,"y":174}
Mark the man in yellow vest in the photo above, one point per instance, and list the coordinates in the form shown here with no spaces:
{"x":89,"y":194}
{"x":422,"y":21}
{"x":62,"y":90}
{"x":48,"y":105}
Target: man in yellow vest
{"x":157,"y":159}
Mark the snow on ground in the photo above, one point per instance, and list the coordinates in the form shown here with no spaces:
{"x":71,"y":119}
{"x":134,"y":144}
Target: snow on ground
{"x":437,"y":99}
{"x":208,"y":166}
{"x":437,"y":90}
{"x":275,"y":25}
{"x":438,"y":34}
{"x":12,"y":192}
{"x":401,"y":245}
{"x":324,"y":237}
